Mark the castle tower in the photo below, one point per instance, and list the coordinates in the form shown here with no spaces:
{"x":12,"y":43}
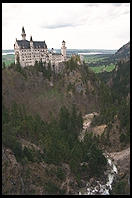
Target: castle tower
{"x":32,"y":49}
{"x":52,"y":50}
{"x":31,"y":42}
{"x":63,"y":49}
{"x":23,"y":34}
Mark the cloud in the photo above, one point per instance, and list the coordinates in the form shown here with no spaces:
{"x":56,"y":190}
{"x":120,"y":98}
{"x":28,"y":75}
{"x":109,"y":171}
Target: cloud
{"x":126,"y":12}
{"x":91,"y":5}
{"x":59,"y":25}
{"x":82,"y":25}
{"x":117,"y":4}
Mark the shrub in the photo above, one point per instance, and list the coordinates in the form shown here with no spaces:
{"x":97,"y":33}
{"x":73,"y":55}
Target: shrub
{"x":51,"y":188}
{"x":119,"y":188}
{"x":60,"y":174}
{"x":28,"y":153}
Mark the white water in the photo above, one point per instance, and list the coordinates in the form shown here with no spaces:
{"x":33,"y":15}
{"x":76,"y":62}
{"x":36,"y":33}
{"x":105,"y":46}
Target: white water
{"x":115,"y":169}
{"x":102,"y":189}
{"x":99,"y":189}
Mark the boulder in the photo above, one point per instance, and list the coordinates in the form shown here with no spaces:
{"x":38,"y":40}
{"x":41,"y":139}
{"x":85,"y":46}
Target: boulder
{"x":82,"y":183}
{"x":91,"y":181}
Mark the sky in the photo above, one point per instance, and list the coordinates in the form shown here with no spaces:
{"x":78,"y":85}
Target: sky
{"x":81,"y":25}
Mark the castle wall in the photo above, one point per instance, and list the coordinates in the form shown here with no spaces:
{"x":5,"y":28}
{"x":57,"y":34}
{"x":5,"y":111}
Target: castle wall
{"x":29,"y":55}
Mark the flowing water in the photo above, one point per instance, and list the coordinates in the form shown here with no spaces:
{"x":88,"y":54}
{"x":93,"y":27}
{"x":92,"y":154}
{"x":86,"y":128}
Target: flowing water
{"x":100,"y":187}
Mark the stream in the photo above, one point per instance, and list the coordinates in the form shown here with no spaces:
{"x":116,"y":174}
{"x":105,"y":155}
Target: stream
{"x":99,"y":187}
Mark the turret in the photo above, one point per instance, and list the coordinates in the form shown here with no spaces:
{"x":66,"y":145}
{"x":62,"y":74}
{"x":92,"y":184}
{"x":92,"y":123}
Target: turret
{"x":52,"y":50}
{"x":23,"y":34}
{"x":63,"y":49}
{"x":31,"y":41}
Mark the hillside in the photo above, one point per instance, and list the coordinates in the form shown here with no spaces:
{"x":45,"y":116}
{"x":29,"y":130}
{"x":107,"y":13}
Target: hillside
{"x":119,"y":83}
{"x":42,"y":118}
{"x":118,"y":130}
{"x":37,"y":92}
{"x":123,"y":53}
{"x":121,"y":56}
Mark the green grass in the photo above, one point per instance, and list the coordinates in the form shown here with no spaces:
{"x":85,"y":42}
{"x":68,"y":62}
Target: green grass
{"x":110,"y":67}
{"x":94,"y":58}
{"x":8,"y":59}
{"x":102,"y":68}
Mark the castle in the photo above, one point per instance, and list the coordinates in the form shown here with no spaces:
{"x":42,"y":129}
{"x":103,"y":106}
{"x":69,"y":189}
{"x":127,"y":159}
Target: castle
{"x":28,"y":52}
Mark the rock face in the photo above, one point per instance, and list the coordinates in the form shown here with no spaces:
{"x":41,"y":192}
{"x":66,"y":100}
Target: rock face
{"x":122,"y":160}
{"x":97,"y":130}
{"x":34,"y":178}
{"x":11,"y":174}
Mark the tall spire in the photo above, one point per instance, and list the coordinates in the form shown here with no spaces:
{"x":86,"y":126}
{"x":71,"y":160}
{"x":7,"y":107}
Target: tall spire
{"x":31,"y":42}
{"x":23,"y":31}
{"x":31,"y":39}
{"x":23,"y":34}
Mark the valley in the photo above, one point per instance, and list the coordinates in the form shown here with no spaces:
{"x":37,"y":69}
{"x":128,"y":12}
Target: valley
{"x":67,"y":132}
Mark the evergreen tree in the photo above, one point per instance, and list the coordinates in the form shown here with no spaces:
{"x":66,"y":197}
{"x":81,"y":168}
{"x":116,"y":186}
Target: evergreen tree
{"x":3,"y":65}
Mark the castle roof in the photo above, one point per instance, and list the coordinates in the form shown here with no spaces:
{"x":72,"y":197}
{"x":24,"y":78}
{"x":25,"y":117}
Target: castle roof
{"x":39,"y":44}
{"x":26,"y":44}
{"x":23,"y":43}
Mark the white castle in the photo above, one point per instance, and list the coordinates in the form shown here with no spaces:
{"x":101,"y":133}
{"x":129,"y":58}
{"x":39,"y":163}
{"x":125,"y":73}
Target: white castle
{"x":28,"y":52}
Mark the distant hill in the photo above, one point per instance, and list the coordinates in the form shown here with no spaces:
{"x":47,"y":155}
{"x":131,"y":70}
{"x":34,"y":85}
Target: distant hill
{"x":121,"y":77}
{"x":123,"y":53}
{"x":122,"y":59}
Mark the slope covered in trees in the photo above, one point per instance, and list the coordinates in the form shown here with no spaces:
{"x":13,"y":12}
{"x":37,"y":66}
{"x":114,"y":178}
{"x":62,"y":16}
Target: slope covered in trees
{"x":45,"y":109}
{"x":117,"y":110}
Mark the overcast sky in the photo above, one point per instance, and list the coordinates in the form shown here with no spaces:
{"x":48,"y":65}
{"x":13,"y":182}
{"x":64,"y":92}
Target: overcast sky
{"x":81,"y":25}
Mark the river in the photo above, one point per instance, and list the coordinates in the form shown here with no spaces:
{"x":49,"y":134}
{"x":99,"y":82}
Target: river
{"x":99,"y":187}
